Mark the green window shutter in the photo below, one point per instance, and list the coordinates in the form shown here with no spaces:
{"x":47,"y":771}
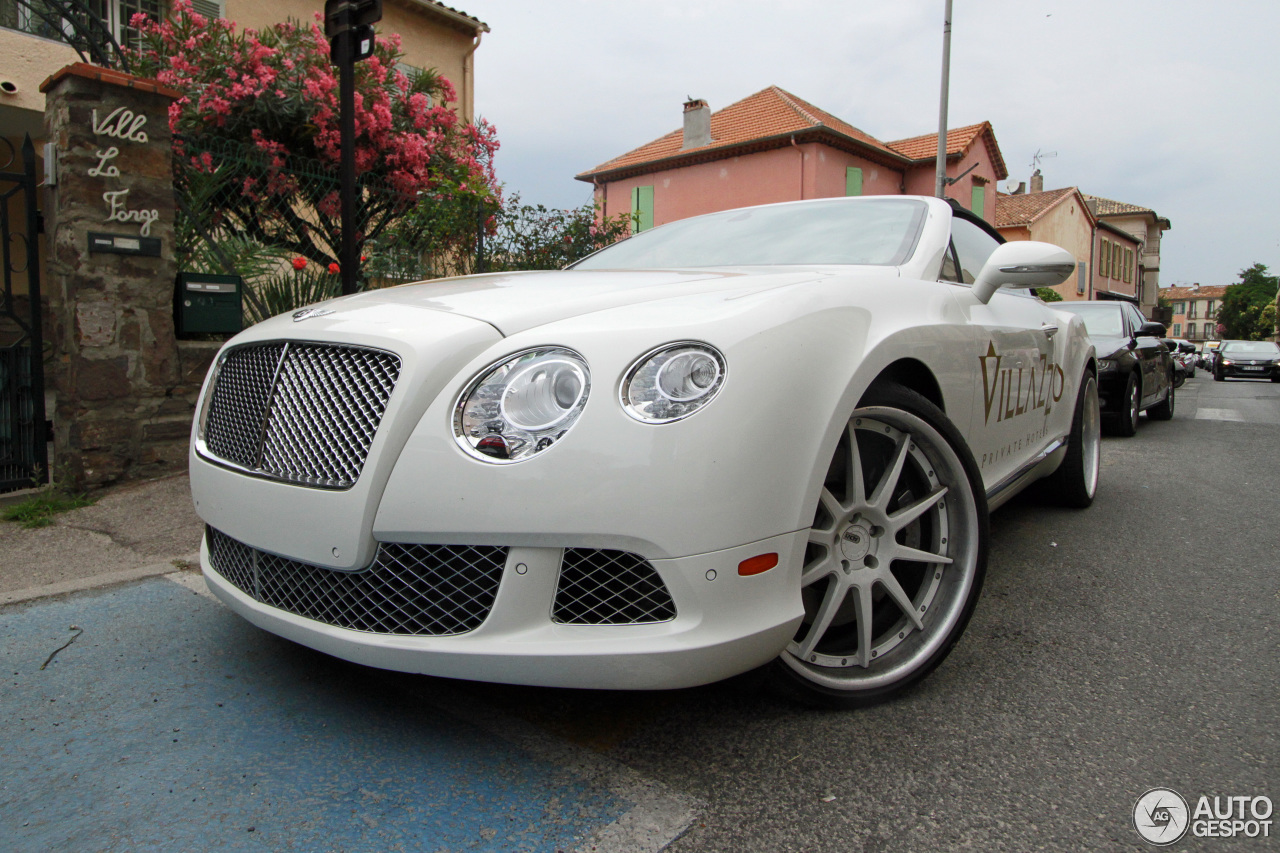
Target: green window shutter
{"x":978,"y":200}
{"x":853,"y":180}
{"x":641,"y":209}
{"x":1104,"y":259}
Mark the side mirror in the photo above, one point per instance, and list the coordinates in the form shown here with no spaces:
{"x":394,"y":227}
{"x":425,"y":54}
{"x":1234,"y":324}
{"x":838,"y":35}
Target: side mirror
{"x":1151,"y":330}
{"x":1023,"y":263}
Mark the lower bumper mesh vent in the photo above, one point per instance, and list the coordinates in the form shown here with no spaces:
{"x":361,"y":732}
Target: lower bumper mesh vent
{"x":604,"y":587}
{"x":413,"y":590}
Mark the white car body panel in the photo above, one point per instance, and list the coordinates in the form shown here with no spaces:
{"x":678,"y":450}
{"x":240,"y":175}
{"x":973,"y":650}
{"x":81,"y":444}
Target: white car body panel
{"x":694,"y":497}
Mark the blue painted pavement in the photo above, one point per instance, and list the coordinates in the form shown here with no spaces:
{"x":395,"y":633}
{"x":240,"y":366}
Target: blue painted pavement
{"x":171,"y":724}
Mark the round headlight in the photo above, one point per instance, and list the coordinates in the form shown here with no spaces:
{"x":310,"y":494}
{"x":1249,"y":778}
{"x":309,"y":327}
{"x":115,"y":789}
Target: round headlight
{"x":521,"y":405}
{"x":672,"y":382}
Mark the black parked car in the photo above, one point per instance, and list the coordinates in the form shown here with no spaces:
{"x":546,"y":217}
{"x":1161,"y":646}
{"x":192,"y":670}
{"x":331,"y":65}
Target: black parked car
{"x":1247,"y":360}
{"x":1135,"y":370}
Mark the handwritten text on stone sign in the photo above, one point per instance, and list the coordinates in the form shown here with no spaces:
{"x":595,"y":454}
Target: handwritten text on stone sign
{"x":123,"y":124}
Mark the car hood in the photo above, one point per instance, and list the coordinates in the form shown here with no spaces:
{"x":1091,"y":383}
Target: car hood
{"x":513,"y":302}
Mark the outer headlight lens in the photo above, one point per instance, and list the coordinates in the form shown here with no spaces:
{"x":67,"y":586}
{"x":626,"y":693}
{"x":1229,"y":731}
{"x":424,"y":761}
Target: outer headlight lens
{"x":522,"y":405}
{"x":672,"y":382}
{"x":1106,"y":364}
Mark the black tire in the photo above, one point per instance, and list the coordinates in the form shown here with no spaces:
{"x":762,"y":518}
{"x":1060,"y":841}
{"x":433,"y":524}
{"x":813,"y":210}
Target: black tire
{"x":1075,"y":482}
{"x":1163,"y":411}
{"x":1275,"y":378}
{"x":853,"y":650}
{"x":1217,"y":376}
{"x":1125,"y":422}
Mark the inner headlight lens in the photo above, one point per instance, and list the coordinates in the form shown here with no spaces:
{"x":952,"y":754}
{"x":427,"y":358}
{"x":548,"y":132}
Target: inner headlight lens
{"x":522,"y":405}
{"x":672,"y":382}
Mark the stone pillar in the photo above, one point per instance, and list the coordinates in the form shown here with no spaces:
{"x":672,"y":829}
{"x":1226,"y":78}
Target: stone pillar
{"x":124,"y":393}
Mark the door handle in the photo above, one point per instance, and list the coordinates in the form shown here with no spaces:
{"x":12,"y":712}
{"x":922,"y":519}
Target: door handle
{"x":1049,"y":330}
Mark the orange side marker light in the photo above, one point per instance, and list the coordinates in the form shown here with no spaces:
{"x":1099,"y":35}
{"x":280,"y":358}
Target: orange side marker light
{"x":757,"y":564}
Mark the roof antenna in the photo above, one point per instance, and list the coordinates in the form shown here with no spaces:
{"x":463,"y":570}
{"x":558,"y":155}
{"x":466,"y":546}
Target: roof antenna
{"x":1041,"y":155}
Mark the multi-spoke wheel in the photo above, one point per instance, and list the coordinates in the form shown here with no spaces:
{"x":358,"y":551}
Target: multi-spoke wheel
{"x":1076,"y":481}
{"x":896,"y":555}
{"x":1126,"y":420}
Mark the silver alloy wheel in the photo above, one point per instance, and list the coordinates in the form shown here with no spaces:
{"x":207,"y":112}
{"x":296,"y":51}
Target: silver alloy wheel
{"x":892,"y":559}
{"x":1091,"y":436}
{"x":1135,"y":405}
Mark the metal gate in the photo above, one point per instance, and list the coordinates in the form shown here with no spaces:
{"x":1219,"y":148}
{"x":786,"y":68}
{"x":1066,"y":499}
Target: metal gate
{"x":23,"y":436}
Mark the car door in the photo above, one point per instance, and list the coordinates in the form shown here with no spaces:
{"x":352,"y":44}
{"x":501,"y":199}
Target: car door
{"x":1152,"y":357}
{"x":1020,"y":404}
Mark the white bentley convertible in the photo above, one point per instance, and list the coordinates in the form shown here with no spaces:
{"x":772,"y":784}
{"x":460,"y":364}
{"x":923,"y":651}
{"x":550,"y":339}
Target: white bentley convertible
{"x":766,"y":437}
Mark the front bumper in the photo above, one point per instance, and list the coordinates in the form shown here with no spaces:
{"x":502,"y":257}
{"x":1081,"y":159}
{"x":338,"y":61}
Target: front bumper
{"x":725,"y":624}
{"x":1249,"y":371}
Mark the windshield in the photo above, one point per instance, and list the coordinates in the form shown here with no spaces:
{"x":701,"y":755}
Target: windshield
{"x":880,"y":233}
{"x":1249,"y":348}
{"x":1103,"y":321}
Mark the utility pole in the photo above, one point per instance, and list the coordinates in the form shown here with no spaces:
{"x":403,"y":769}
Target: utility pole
{"x":940,"y":179}
{"x":349,"y":26}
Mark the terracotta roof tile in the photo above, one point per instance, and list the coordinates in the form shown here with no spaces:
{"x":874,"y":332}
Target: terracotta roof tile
{"x":958,"y":141}
{"x":457,"y":15}
{"x":1107,"y":207}
{"x":926,"y":146}
{"x":1209,"y":291}
{"x":1025,"y":208}
{"x":768,"y":113}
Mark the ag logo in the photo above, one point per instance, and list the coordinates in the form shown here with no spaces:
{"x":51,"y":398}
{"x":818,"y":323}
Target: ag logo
{"x":308,"y":313}
{"x":1161,"y":816}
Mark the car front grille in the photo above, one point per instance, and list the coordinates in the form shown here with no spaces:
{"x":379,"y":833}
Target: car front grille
{"x":409,"y":590}
{"x":304,"y":413}
{"x":606,"y":587}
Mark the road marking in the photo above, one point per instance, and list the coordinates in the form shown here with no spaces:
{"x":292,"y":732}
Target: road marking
{"x":1204,"y":414}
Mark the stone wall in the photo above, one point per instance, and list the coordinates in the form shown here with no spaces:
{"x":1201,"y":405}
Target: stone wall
{"x":124,"y":388}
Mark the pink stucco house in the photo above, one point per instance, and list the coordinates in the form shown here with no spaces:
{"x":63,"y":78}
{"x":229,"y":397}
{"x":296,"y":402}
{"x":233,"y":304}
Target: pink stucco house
{"x":773,"y":146}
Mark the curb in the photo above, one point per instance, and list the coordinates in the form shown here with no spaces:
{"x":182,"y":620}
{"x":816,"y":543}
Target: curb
{"x":94,"y":581}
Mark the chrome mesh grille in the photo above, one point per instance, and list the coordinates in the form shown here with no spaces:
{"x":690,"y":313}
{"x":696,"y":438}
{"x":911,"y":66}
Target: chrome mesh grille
{"x":300,"y":412}
{"x":409,"y":590}
{"x":604,"y":587}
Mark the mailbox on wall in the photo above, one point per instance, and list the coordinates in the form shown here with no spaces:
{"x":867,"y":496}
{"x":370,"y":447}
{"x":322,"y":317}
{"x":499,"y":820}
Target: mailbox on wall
{"x":207,"y":304}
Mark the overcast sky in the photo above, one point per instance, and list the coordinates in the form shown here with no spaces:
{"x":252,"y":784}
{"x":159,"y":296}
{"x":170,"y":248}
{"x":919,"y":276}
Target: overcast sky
{"x":1170,"y":105}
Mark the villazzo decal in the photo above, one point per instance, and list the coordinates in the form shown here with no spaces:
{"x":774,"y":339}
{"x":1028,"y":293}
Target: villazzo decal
{"x":1014,"y":391}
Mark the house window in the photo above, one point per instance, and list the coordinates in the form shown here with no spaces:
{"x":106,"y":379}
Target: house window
{"x":853,"y":180}
{"x":1209,"y":331}
{"x":1104,"y":259}
{"x":641,"y":209}
{"x":977,"y":201}
{"x":1191,"y":311}
{"x":40,"y":18}
{"x":1128,"y":265}
{"x":1177,"y":330}
{"x":1209,"y":311}
{"x":1179,"y":307}
{"x":1081,"y":273}
{"x":1191,"y":330}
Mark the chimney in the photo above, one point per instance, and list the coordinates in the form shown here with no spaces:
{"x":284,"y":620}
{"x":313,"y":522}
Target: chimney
{"x":1037,"y":182}
{"x":697,"y":124}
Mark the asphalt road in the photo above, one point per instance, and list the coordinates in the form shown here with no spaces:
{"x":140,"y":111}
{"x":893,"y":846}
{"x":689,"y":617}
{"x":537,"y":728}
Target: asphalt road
{"x":1117,"y":649}
{"x":1129,"y":646}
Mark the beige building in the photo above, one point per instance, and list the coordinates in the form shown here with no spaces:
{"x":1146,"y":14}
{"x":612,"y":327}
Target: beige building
{"x":1195,"y":311}
{"x":1144,"y":226}
{"x":433,"y":35}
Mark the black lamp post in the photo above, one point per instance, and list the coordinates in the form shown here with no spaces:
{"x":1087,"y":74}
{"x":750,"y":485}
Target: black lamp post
{"x":349,"y":26}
